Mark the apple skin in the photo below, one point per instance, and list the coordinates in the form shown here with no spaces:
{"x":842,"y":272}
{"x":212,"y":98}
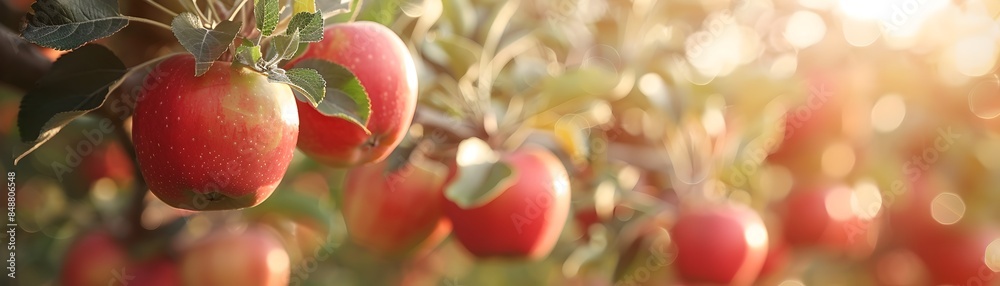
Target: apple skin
{"x":94,"y":259}
{"x":255,"y":256}
{"x":526,"y":219}
{"x":156,"y":272}
{"x":725,"y":244}
{"x":220,"y":141}
{"x":382,"y":63}
{"x":396,"y":213}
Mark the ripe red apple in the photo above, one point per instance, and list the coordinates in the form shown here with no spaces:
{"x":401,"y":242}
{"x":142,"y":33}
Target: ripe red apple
{"x":383,"y":65}
{"x":397,"y":212}
{"x":156,"y":272}
{"x":254,"y":256}
{"x":824,"y":217}
{"x":220,"y":141}
{"x":525,"y":220}
{"x":108,"y":161}
{"x":719,"y":244}
{"x":96,"y":259}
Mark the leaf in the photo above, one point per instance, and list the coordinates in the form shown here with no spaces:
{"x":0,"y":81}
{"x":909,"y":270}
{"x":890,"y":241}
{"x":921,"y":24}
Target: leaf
{"x":459,"y":54}
{"x":266,"y":13}
{"x":293,"y":205}
{"x":248,"y":53}
{"x":309,"y":26}
{"x":311,"y":83}
{"x":481,"y":175}
{"x":285,"y":46}
{"x":79,"y":82}
{"x":332,"y":8}
{"x":68,"y":24}
{"x":345,"y":96}
{"x":382,"y":12}
{"x":207,"y":45}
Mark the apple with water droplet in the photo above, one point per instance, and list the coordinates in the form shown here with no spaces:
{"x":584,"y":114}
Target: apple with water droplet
{"x":219,"y":141}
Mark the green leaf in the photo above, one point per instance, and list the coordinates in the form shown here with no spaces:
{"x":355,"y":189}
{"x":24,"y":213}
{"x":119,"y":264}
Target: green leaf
{"x":68,"y":24}
{"x":293,"y":205}
{"x":307,"y":84}
{"x":309,"y":26}
{"x":382,"y":12}
{"x":285,"y":46}
{"x":345,"y":96}
{"x":311,"y":83}
{"x":248,"y":53}
{"x":457,"y":53}
{"x":79,"y":82}
{"x":266,"y":13}
{"x":207,"y":45}
{"x":481,"y":175}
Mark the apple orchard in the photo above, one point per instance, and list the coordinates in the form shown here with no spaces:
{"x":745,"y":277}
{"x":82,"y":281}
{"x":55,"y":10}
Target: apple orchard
{"x":501,"y":142}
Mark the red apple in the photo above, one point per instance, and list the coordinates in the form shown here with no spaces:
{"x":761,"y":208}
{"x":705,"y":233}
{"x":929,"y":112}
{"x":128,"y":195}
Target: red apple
{"x":525,"y":220}
{"x":108,"y":161}
{"x":96,"y":259}
{"x":826,"y":217}
{"x":383,"y":65}
{"x":254,"y":256}
{"x":720,"y":244}
{"x":397,"y":212}
{"x":220,"y":141}
{"x":156,"y":272}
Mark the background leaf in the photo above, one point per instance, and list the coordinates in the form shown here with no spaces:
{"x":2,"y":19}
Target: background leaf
{"x":266,"y":13}
{"x":68,"y":24}
{"x":345,"y":97}
{"x":481,"y":175}
{"x":207,"y":45}
{"x":78,"y":83}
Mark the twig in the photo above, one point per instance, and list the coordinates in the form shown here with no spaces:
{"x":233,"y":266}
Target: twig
{"x":148,"y":21}
{"x":239,"y":8}
{"x":164,"y":9}
{"x":357,"y":10}
{"x":197,"y":10}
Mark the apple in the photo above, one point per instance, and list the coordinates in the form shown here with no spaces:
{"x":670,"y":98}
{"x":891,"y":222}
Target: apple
{"x":220,"y":141}
{"x":963,"y":257}
{"x":524,"y":220}
{"x":825,"y":217}
{"x":95,"y":259}
{"x":725,"y":244}
{"x":108,"y":161}
{"x":254,"y":256}
{"x":156,"y":272}
{"x":396,"y":212}
{"x":383,"y":65}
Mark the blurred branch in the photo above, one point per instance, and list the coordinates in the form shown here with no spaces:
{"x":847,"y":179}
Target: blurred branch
{"x":455,"y":128}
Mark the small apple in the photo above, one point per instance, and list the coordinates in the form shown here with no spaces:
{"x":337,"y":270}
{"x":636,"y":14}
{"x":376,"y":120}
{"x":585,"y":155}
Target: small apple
{"x":220,"y":141}
{"x":254,"y":256}
{"x":395,"y":212}
{"x":95,"y":259}
{"x":108,"y":161}
{"x":525,"y":219}
{"x":829,"y":217}
{"x":382,"y":63}
{"x":968,"y":257}
{"x":725,"y":244}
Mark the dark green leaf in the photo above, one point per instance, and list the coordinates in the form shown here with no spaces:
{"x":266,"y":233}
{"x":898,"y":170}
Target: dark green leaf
{"x":266,"y":13}
{"x":309,"y":26}
{"x":68,"y":24}
{"x":207,"y":45}
{"x":285,"y":46}
{"x":79,"y":82}
{"x":345,"y":96}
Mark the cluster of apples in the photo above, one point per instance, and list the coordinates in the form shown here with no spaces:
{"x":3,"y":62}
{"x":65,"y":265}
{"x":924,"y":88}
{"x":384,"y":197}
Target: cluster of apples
{"x":224,"y":141}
